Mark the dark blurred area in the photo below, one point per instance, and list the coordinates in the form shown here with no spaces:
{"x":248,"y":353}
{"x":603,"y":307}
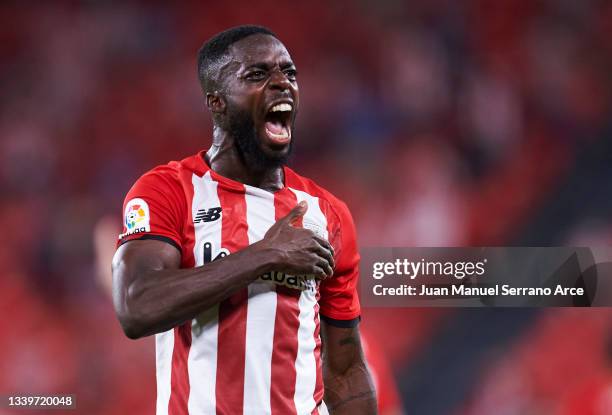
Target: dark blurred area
{"x":440,"y":123}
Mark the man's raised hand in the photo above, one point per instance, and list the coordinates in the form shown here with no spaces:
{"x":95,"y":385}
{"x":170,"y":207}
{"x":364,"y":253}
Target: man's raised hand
{"x":295,"y":250}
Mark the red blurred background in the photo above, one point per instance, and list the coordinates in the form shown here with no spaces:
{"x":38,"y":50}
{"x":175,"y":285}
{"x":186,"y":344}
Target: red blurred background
{"x":440,"y":123}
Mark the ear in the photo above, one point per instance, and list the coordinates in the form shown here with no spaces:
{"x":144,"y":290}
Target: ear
{"x":215,"y":103}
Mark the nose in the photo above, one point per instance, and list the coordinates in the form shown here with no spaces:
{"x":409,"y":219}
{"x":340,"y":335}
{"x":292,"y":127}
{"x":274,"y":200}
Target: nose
{"x":279,"y":81}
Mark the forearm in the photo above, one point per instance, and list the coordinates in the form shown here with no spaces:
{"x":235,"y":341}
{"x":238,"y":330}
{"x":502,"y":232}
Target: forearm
{"x":159,"y":299}
{"x":348,"y":386}
{"x":350,"y":392}
{"x":152,"y":294}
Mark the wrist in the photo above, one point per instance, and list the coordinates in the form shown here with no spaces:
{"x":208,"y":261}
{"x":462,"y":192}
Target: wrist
{"x":264,"y":258}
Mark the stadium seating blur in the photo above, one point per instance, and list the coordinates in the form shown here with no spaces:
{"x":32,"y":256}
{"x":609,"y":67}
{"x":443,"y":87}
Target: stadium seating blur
{"x":440,"y":123}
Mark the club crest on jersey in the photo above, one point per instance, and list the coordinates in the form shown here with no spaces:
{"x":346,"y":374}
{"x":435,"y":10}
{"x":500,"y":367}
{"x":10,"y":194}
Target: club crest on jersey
{"x":136,"y":217}
{"x":297,"y":282}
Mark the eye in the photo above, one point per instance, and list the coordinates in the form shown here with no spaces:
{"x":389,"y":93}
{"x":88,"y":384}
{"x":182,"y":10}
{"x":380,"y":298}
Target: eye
{"x":255,"y":75}
{"x":291,"y":74}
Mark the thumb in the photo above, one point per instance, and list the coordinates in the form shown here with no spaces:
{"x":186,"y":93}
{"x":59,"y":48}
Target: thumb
{"x":296,"y":213}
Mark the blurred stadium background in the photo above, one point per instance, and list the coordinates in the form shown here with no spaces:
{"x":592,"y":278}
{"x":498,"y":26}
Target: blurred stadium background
{"x":441,"y":123}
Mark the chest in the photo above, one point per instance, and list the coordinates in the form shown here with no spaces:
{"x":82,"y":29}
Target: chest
{"x":226,"y":221}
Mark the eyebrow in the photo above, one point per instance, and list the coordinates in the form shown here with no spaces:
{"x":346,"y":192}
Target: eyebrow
{"x":266,"y":66}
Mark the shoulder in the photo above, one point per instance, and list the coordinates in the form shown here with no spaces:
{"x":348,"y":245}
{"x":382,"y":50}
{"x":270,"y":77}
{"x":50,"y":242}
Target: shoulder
{"x":301,"y":183}
{"x":171,"y":176}
{"x":157,"y":205}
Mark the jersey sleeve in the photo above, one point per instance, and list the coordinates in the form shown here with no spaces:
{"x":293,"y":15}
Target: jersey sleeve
{"x":339,"y":301}
{"x":153,"y":208}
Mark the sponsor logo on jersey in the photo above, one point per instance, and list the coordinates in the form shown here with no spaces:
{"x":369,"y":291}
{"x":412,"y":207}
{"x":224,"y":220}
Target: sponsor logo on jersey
{"x":208,"y":253}
{"x":207,"y":215}
{"x":297,"y":282}
{"x":136,"y":217}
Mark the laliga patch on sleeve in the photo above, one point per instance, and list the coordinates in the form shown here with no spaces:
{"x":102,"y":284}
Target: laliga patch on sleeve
{"x":136,"y":218}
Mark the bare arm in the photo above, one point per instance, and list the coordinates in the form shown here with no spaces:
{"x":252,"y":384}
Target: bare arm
{"x":151,"y":294}
{"x":348,"y":386}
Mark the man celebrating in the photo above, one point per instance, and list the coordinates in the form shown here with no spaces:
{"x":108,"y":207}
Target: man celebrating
{"x":244,"y":270}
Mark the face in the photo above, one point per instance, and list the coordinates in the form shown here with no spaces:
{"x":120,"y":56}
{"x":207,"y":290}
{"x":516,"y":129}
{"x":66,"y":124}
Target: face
{"x":261,"y":94}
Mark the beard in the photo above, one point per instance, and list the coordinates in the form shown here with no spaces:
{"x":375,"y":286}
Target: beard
{"x":242,"y":129}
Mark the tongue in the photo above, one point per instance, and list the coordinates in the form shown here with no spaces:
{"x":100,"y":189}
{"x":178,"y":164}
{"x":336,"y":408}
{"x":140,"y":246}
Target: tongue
{"x":275,"y":127}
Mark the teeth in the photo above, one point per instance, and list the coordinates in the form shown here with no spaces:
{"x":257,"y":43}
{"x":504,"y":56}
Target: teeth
{"x":281,"y":108}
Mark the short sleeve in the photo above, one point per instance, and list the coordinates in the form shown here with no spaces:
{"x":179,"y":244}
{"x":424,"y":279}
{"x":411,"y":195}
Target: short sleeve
{"x":339,"y":301}
{"x":154,"y":208}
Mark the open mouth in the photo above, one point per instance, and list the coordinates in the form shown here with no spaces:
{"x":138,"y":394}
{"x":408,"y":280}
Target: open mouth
{"x":278,"y":123}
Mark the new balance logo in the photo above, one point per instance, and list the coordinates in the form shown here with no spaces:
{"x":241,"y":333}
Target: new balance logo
{"x":207,"y":215}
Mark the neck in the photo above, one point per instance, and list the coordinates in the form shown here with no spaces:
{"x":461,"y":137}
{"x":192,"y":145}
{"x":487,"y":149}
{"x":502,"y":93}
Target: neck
{"x":224,"y":158}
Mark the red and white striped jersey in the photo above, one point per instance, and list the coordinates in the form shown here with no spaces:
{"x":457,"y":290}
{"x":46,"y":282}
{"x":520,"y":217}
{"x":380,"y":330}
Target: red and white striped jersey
{"x":259,"y":351}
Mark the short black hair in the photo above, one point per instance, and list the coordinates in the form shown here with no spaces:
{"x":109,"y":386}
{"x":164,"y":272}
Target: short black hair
{"x":215,"y":48}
